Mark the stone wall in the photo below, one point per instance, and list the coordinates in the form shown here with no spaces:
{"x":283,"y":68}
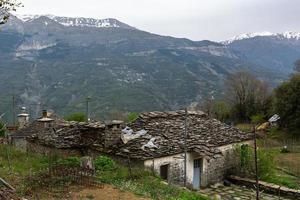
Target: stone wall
{"x":19,"y":143}
{"x":266,"y":187}
{"x":216,"y":169}
{"x":175,"y":171}
{"x":36,"y":148}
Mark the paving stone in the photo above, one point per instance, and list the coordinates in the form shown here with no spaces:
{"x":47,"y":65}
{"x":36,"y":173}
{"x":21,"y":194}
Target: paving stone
{"x":239,"y":193}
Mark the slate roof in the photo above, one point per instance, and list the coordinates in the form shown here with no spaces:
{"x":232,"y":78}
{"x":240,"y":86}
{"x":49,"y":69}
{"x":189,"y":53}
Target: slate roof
{"x":164,"y":135}
{"x":204,"y":135}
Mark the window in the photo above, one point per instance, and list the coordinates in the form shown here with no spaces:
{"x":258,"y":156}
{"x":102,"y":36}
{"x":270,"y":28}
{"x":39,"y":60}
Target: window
{"x":197,"y":163}
{"x":164,"y":171}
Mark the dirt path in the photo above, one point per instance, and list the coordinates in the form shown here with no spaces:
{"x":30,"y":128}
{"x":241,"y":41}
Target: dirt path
{"x":106,"y":193}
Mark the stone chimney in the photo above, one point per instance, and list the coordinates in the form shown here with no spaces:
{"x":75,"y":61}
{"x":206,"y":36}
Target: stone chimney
{"x":113,"y":130}
{"x":46,"y":120}
{"x":23,"y":118}
{"x":45,"y":114}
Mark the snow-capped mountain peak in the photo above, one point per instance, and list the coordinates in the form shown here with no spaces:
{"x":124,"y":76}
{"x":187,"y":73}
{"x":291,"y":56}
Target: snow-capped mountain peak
{"x":248,"y":35}
{"x":79,"y":22}
{"x":291,"y":35}
{"x":285,"y":35}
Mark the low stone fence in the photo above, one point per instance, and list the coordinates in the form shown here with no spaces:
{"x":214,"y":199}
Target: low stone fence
{"x":266,"y":187}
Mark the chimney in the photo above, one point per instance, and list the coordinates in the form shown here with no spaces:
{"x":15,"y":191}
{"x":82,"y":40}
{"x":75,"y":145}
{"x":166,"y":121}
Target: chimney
{"x":23,"y":118}
{"x":113,"y":131}
{"x":47,"y":121}
{"x":45,"y":114}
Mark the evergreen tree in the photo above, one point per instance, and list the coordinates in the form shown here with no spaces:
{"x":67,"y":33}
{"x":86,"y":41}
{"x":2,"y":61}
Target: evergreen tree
{"x":287,"y":103}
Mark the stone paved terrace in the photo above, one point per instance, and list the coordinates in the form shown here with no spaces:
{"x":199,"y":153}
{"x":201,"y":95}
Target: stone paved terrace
{"x":237,"y":193}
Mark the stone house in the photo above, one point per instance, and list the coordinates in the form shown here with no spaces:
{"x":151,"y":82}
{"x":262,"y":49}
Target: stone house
{"x":209,"y":146}
{"x":155,"y":139}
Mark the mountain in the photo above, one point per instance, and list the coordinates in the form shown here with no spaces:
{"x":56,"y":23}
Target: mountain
{"x":56,"y":62}
{"x":273,"y":51}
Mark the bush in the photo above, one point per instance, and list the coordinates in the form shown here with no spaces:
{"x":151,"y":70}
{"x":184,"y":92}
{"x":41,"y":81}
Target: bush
{"x":286,"y":104}
{"x":266,"y":163}
{"x":104,"y":163}
{"x":132,"y":117}
{"x":77,"y":117}
{"x":284,"y":150}
{"x":70,"y":161}
{"x":257,"y":119}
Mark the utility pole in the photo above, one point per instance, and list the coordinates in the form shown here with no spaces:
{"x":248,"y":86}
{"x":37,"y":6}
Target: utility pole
{"x":87,"y":109}
{"x":13,"y":110}
{"x":185,"y":147}
{"x":256,"y":164}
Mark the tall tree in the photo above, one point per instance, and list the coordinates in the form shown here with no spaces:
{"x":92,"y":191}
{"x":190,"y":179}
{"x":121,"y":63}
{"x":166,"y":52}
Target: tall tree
{"x":7,"y":6}
{"x":287,"y":103}
{"x":246,"y":95}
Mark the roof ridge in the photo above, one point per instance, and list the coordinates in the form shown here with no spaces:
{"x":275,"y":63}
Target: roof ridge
{"x":165,"y":114}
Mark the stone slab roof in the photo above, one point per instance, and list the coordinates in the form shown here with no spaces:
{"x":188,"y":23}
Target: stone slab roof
{"x":165,"y":130}
{"x":154,"y":134}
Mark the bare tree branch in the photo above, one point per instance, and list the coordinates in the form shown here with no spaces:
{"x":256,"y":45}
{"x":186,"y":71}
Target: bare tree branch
{"x":6,"y":7}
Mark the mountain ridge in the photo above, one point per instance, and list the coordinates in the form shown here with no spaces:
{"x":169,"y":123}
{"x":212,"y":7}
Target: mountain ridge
{"x":47,"y":64}
{"x":286,"y":35}
{"x":78,"y":21}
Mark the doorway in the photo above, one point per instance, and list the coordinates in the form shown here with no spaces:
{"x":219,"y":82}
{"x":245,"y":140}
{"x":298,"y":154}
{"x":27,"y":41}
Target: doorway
{"x":197,"y":173}
{"x":164,"y":172}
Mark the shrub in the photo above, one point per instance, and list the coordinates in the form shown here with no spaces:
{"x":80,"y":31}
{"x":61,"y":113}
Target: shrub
{"x":257,"y":119}
{"x":284,"y":150}
{"x":70,"y":161}
{"x":132,"y":117}
{"x":104,"y":163}
{"x":265,"y":161}
{"x":78,"y":117}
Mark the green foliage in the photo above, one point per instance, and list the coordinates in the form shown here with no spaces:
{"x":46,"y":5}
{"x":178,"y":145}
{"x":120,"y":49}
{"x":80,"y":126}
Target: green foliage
{"x":132,"y":117}
{"x":266,"y":163}
{"x":257,"y":119}
{"x":285,"y":150}
{"x":284,"y":180}
{"x":21,"y":162}
{"x":245,"y":127}
{"x":2,"y":129}
{"x":72,"y":161}
{"x":78,"y":117}
{"x":104,"y":163}
{"x":287,"y":104}
{"x":221,"y":111}
{"x":143,"y":183}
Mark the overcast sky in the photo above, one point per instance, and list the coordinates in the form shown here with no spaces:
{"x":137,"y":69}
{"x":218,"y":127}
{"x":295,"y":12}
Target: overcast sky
{"x":194,"y":19}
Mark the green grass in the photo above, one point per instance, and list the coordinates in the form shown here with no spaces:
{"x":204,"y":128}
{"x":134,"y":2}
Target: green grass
{"x":245,"y":127}
{"x":20,"y":163}
{"x":284,"y":180}
{"x":143,"y":183}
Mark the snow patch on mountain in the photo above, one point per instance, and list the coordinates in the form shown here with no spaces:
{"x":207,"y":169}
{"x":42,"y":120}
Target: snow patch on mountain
{"x":285,"y":35}
{"x":79,"y":22}
{"x":247,"y":36}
